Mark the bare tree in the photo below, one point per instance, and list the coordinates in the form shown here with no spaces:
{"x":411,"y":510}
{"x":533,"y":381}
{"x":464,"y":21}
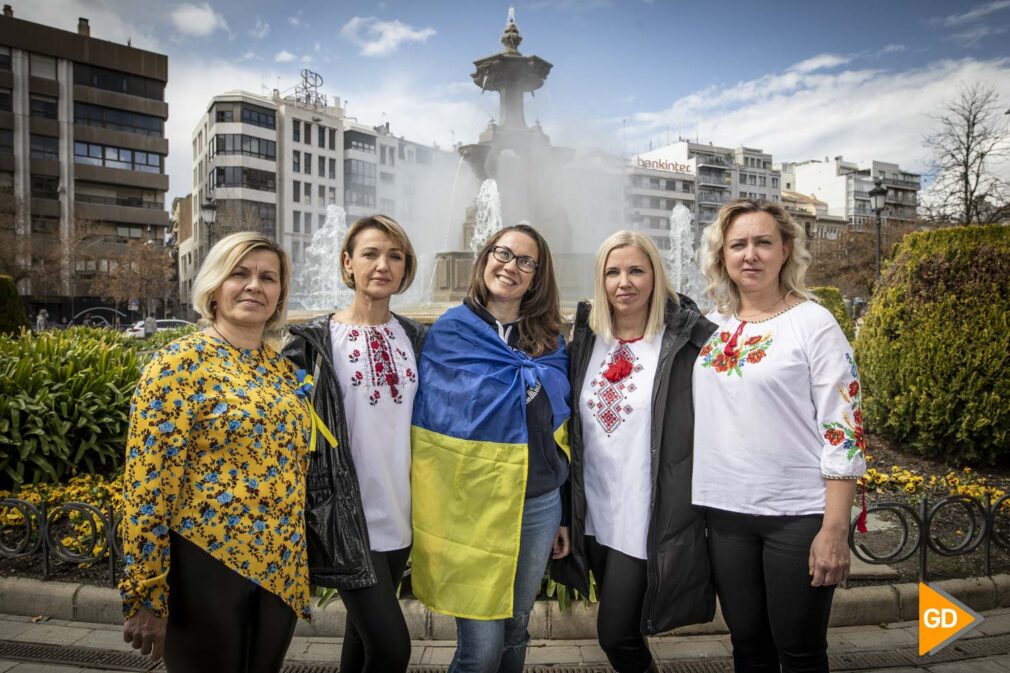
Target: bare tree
{"x":143,"y":271}
{"x":847,"y":262}
{"x":971,"y":136}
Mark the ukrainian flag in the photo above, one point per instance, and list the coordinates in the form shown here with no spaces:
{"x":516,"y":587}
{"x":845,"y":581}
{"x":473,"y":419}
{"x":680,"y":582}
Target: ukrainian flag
{"x":469,"y":462}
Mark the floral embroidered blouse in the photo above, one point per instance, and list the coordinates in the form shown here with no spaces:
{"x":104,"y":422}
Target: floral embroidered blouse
{"x":777,"y":411}
{"x":216,"y":452}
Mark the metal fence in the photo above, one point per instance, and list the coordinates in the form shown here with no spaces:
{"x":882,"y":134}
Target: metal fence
{"x":94,"y":531}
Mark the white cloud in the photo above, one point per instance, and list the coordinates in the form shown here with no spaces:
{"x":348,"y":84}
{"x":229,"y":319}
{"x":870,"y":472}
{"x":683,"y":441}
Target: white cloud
{"x":382,"y":38}
{"x":574,"y":6}
{"x":129,"y":23}
{"x":284,"y":56}
{"x":197,"y":20}
{"x":973,"y":14}
{"x":306,"y":59}
{"x":892,"y":49}
{"x":296,"y":20}
{"x":862,"y":114}
{"x":248,"y":55}
{"x":820,"y":62}
{"x":260,"y":30}
{"x":972,"y":36}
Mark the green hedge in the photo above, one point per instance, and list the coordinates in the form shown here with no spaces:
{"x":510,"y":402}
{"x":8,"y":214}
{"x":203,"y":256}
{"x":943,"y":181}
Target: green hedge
{"x":12,"y":310}
{"x":831,"y":299}
{"x":64,"y":403}
{"x":934,"y":347}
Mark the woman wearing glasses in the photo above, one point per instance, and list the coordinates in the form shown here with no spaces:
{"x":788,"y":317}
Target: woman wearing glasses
{"x":489,"y":452}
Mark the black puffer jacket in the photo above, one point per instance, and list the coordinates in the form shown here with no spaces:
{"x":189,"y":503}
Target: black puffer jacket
{"x":335,"y":528}
{"x":680,"y":589}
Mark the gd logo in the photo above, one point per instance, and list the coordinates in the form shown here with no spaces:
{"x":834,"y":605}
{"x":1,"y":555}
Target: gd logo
{"x":942,"y":619}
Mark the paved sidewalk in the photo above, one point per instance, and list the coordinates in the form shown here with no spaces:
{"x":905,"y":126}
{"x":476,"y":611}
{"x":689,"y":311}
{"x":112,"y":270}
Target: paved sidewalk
{"x":984,"y":650}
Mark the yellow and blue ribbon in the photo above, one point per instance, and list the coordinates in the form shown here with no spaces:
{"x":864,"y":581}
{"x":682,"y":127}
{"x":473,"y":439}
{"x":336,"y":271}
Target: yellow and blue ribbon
{"x":304,"y":389}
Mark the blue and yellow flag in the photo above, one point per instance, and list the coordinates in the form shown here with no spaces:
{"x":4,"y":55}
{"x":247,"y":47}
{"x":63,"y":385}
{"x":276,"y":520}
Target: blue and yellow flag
{"x":469,"y":462}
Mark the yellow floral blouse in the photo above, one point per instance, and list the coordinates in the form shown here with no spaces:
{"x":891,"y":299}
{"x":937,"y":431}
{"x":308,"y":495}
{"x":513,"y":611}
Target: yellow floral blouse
{"x":217,"y":452}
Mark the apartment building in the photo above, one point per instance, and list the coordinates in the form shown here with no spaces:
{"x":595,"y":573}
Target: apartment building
{"x":82,"y":156}
{"x":845,"y":186}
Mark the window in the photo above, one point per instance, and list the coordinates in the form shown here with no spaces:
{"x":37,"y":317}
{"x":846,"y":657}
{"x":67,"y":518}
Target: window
{"x":43,"y":107}
{"x":322,"y":194}
{"x":358,"y":172}
{"x":333,"y":139}
{"x":762,"y":180}
{"x":308,"y":133}
{"x":224,"y":116}
{"x":332,"y":197}
{"x":248,"y":178}
{"x":5,"y":100}
{"x":775,"y":182}
{"x":42,"y":66}
{"x":296,"y":222}
{"x":308,"y":223}
{"x":6,"y":142}
{"x":322,"y":166}
{"x":112,"y":80}
{"x":308,"y":164}
{"x":322,"y":136}
{"x":250,"y":146}
{"x":333,"y":168}
{"x":5,"y":58}
{"x":387,"y":206}
{"x":685,"y":187}
{"x":121,"y":120}
{"x":355,"y":140}
{"x":258,"y":116}
{"x":308,"y":193}
{"x":296,"y":131}
{"x":386,"y":178}
{"x":45,"y":187}
{"x":296,"y":191}
{"x":296,"y":161}
{"x":321,"y":220}
{"x":117,"y":195}
{"x":45,"y":147}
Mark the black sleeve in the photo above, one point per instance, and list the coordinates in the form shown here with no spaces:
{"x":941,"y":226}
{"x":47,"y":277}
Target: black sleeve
{"x":566,"y":502}
{"x":295,"y":349}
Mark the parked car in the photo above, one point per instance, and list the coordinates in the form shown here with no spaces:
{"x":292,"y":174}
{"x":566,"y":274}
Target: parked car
{"x":137,"y":329}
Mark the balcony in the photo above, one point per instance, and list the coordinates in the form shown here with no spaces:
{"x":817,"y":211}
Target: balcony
{"x":119,"y":201}
{"x":713,"y":197}
{"x":715,"y":179}
{"x":902,"y":184}
{"x":709,"y":160}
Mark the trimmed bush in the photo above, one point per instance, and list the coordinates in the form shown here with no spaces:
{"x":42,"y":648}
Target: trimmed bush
{"x":12,"y":310}
{"x":831,"y":299}
{"x":64,"y":403}
{"x":934,"y":348}
{"x":162,"y":338}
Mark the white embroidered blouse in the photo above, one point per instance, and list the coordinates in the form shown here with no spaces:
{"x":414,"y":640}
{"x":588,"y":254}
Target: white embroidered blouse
{"x":378,"y":379}
{"x":777,"y":411}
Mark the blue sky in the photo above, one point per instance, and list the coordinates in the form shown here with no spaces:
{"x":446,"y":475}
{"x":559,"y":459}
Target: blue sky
{"x":799,"y":79}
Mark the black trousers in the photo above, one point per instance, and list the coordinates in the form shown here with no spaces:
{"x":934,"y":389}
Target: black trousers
{"x":620,"y":587}
{"x":376,"y":639}
{"x":760,"y":565}
{"x":219,"y":621}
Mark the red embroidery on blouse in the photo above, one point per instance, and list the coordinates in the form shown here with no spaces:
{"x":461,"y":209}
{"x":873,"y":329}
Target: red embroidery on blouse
{"x":381,"y":362}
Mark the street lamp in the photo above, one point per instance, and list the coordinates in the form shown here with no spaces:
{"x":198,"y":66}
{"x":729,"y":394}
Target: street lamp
{"x":209,"y":210}
{"x":877,"y":196}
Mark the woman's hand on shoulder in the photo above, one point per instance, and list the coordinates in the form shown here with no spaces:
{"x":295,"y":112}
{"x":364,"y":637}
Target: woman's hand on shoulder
{"x":829,"y":557}
{"x":146,"y":632}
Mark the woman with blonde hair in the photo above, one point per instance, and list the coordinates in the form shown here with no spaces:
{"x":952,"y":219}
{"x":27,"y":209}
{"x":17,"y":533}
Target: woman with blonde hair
{"x":364,"y":363}
{"x":778,"y":440}
{"x":214,"y":532}
{"x":633,"y":525}
{"x":490,"y":453}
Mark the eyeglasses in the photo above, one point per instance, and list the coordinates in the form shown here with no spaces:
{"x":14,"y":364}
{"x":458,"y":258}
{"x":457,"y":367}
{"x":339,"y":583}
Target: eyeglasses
{"x":505,"y":255}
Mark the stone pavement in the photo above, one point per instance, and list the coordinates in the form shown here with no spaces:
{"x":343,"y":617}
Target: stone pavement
{"x":984,"y":650}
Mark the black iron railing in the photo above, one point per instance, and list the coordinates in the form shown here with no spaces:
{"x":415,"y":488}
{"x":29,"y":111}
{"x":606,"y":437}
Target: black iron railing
{"x":28,"y":530}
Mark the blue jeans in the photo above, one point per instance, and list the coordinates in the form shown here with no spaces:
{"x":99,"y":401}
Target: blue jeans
{"x":487,"y":646}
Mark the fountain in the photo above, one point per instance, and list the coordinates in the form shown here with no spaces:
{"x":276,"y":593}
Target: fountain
{"x":525,"y":168}
{"x":319,"y":286}
{"x":487,"y":219}
{"x":682,"y":259}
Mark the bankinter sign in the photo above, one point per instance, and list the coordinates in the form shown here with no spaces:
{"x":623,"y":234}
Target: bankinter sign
{"x":664,"y":165}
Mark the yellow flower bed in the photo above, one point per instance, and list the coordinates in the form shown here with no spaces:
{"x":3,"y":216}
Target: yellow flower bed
{"x":90,"y":489}
{"x":963,"y":482}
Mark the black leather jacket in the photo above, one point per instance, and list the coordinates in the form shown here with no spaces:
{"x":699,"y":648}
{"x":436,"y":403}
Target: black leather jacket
{"x":335,"y":529}
{"x":679,"y":586}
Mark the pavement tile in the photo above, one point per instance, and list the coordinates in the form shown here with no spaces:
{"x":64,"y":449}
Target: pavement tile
{"x":10,"y":629}
{"x":328,"y":652}
{"x":104,"y":640}
{"x":993,"y":624}
{"x":971,"y":666}
{"x":29,"y":667}
{"x":592,"y":654}
{"x":553,"y":654}
{"x":52,"y":634}
{"x":876,"y":638}
{"x":438,"y":656}
{"x":688,"y":648}
{"x":7,"y":665}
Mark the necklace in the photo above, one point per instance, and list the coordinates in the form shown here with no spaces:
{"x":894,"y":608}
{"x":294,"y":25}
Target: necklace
{"x":225,"y":339}
{"x":763,"y":311}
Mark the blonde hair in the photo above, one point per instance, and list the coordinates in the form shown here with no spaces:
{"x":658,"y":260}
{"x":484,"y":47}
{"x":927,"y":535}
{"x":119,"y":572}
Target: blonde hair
{"x":602,"y":321}
{"x":792,"y":276}
{"x":389,"y":227}
{"x":222,"y":260}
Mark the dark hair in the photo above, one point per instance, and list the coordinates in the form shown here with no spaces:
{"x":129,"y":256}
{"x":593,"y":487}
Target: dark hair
{"x":539,"y":310}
